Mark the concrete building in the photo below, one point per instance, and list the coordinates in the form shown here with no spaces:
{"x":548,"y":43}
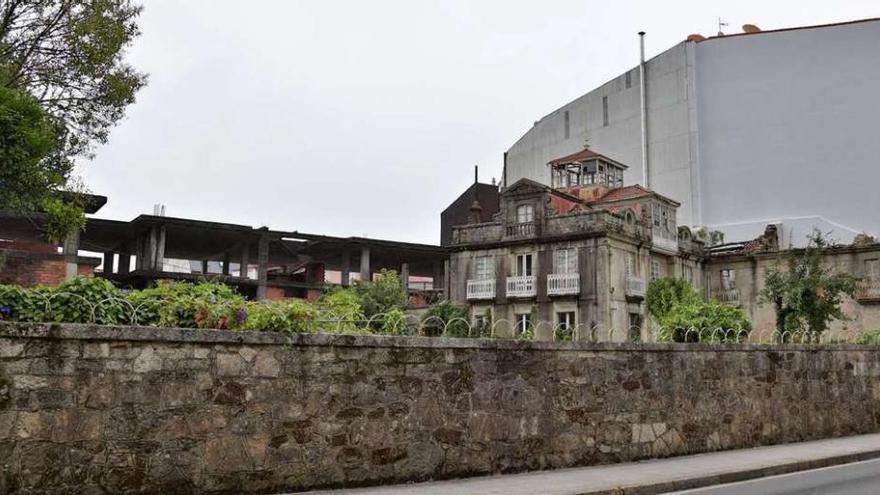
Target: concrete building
{"x":573,"y":258}
{"x":744,"y":130}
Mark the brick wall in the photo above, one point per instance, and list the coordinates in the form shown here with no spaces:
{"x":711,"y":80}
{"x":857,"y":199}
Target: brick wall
{"x":29,"y":269}
{"x":88,"y":409}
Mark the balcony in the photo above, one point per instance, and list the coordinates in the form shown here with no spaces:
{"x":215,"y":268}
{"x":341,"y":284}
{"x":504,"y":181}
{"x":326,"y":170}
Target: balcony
{"x":563,"y":284}
{"x":635,"y":287}
{"x":523,"y":286}
{"x":665,"y":244}
{"x":524,"y":229}
{"x":868,"y":291}
{"x":481,"y":289}
{"x":727,"y":296}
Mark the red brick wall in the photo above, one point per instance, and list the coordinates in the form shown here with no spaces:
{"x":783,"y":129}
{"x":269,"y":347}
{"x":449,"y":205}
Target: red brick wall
{"x":31,"y":269}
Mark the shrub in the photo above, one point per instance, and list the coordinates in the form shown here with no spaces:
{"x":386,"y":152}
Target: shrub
{"x":382,"y":295}
{"x":186,"y":305}
{"x":340,"y":311}
{"x":291,"y":315}
{"x":446,"y":319}
{"x":684,"y":317}
{"x":868,"y":337}
{"x":86,"y":300}
{"x":20,"y":304}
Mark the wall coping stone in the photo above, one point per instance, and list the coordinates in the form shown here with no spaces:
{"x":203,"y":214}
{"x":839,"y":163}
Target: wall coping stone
{"x":89,"y":332}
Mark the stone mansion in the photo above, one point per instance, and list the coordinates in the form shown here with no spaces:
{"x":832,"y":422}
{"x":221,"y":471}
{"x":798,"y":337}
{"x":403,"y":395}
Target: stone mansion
{"x":578,"y":255}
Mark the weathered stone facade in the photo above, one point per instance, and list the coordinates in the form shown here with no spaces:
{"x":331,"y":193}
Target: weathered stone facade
{"x":143,"y":410}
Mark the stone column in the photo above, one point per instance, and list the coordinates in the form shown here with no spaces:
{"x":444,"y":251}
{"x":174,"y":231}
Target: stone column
{"x":345,"y":268}
{"x":226,"y":263}
{"x":124,"y":261}
{"x":366,"y":273}
{"x":446,"y":279}
{"x":262,"y":266}
{"x":71,"y":250}
{"x":204,"y":266}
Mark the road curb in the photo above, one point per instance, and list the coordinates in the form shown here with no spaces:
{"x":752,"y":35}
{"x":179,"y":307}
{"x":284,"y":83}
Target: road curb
{"x":735,"y":476}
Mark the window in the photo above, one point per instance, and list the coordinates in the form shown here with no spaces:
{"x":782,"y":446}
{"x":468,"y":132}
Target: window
{"x":687,"y":274}
{"x":525,"y":213}
{"x":656,"y":272}
{"x":590,"y":173}
{"x":484,"y":268}
{"x":565,"y":320}
{"x":629,"y":80}
{"x":728,"y":279}
{"x":524,"y":265}
{"x":567,"y":130}
{"x":630,"y":264}
{"x":605,"y":111}
{"x":663,"y":218}
{"x":523,"y":322}
{"x":565,"y":261}
{"x":635,"y":327}
{"x":872,"y":269}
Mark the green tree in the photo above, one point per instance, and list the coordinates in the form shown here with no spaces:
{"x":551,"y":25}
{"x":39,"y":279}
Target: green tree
{"x":64,"y":86}
{"x":806,"y":293}
{"x":382,"y":295}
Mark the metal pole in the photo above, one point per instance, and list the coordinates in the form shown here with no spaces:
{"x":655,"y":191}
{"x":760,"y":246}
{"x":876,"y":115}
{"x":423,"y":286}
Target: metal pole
{"x":644,"y":108}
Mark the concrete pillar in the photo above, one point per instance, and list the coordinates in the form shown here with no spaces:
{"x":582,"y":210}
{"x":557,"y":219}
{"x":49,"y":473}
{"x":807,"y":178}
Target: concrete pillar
{"x":226,"y":263}
{"x":447,"y":277}
{"x":156,"y":249}
{"x":404,"y":276}
{"x":345,"y":268}
{"x":204,"y":266}
{"x":262,"y":266}
{"x":159,"y":263}
{"x":366,"y":273}
{"x":71,"y":250}
{"x":245,"y":254}
{"x":108,"y":262}
{"x":124,"y":262}
{"x":438,"y":275}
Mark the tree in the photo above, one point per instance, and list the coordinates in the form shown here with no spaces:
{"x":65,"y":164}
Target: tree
{"x":684,"y":317}
{"x":382,"y":295}
{"x":806,"y":293}
{"x":66,"y":56}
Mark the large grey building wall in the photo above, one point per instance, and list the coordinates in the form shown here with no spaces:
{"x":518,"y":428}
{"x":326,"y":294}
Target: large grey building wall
{"x":789,"y":127}
{"x":671,"y":149}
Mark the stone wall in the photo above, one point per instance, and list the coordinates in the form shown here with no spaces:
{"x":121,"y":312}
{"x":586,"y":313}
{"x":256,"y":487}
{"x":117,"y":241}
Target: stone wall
{"x":142,"y":410}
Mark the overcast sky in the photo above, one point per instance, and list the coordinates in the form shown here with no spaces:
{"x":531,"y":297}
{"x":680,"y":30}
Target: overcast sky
{"x":366,"y":118}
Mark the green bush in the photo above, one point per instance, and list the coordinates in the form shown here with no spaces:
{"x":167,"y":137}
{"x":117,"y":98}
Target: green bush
{"x":21,"y":304}
{"x":382,"y":295}
{"x":868,"y":337}
{"x":446,"y":319}
{"x":340,"y":311}
{"x":684,"y":317}
{"x":86,"y":300}
{"x":290,"y":315}
{"x":187,"y":305}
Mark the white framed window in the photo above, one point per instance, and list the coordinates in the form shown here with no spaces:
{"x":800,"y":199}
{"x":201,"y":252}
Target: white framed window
{"x":728,"y":279}
{"x":523,"y":322}
{"x":565,"y":320}
{"x":525,"y":213}
{"x":630,"y":264}
{"x":687,"y":274}
{"x":565,"y":261}
{"x":872,"y":269}
{"x":523,"y":265}
{"x":656,"y":270}
{"x":484,"y":268}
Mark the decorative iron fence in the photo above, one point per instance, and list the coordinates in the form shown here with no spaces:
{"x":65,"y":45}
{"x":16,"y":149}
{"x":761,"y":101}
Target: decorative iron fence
{"x":433,"y":326}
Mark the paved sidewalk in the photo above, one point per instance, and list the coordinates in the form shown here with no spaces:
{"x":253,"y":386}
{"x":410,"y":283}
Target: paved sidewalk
{"x":652,"y":477}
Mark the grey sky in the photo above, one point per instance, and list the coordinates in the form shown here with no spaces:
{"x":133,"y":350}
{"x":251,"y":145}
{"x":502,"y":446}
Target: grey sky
{"x":366,"y":117}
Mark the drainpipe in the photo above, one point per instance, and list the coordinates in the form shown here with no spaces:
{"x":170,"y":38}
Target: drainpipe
{"x":644,"y":108}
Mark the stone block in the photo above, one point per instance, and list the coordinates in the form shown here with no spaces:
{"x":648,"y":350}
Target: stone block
{"x":266,"y":365}
{"x":229,"y":365}
{"x":147,"y":360}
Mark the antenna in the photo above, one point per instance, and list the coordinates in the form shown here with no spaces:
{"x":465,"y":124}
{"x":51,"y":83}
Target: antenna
{"x":721,"y":24}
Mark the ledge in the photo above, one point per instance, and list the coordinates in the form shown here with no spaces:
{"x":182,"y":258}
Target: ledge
{"x":57,"y":331}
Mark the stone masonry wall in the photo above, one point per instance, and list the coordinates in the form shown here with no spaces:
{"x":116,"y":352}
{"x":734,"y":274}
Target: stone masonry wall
{"x":87,"y":409}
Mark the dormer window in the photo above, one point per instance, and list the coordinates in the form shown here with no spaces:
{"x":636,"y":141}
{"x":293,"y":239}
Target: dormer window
{"x":525,"y":213}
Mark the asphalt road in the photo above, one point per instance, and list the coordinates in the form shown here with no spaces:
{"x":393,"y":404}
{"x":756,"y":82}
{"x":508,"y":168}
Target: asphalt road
{"x":858,"y":478}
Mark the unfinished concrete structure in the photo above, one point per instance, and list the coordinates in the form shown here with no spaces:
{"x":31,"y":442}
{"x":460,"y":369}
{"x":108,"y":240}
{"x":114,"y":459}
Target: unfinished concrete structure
{"x":574,"y":256}
{"x":744,"y":130}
